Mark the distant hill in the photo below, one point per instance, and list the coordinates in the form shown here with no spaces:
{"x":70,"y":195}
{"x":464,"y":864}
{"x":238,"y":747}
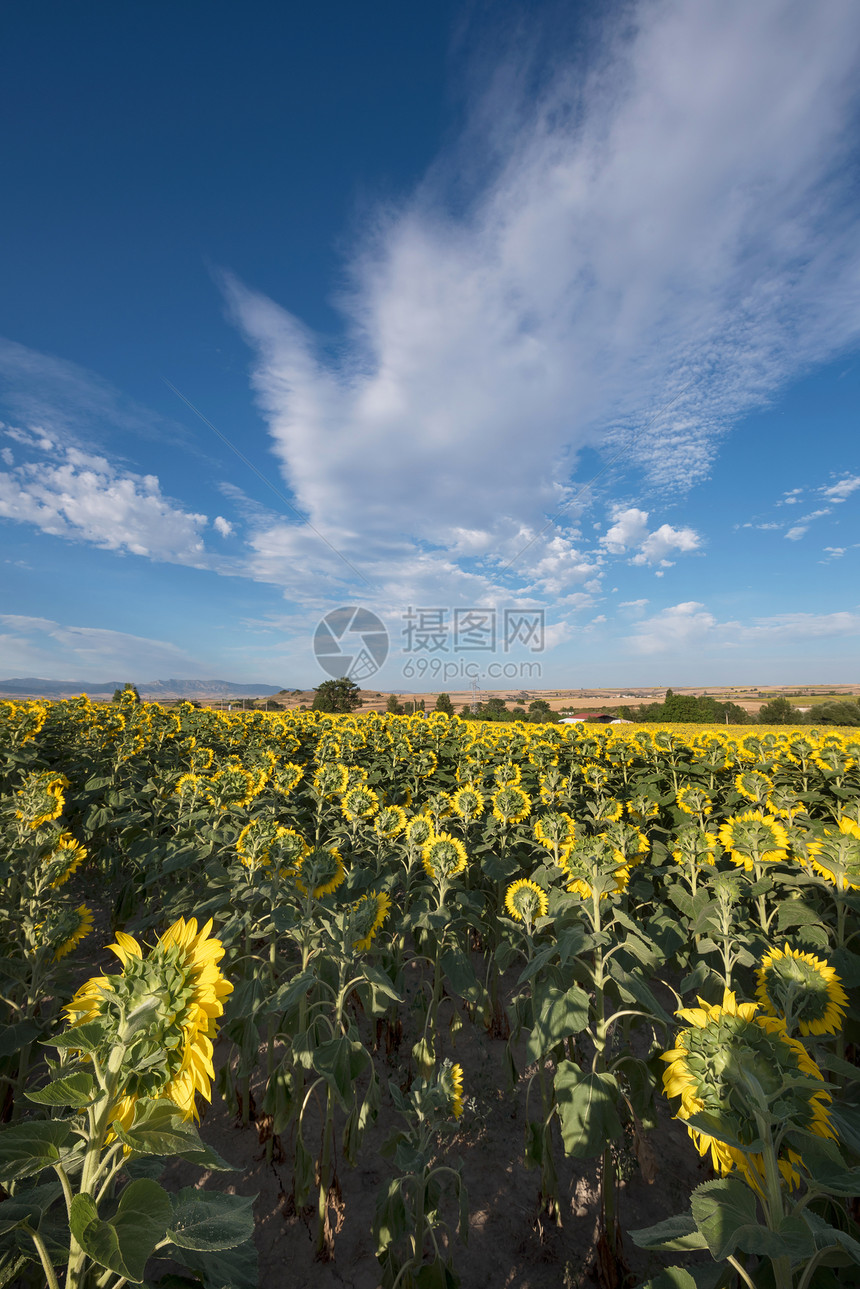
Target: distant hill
{"x":34,"y":687}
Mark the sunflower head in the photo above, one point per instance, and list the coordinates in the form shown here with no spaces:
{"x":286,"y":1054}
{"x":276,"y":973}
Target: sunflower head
{"x":511,"y":805}
{"x":163,"y":1010}
{"x":41,"y":798}
{"x":443,"y":856}
{"x":390,"y":822}
{"x":468,"y":802}
{"x":525,"y":901}
{"x":330,"y":779}
{"x":321,"y":869}
{"x":359,"y":803}
{"x":64,"y":928}
{"x":694,"y":846}
{"x":451,"y":1082}
{"x":693,"y":800}
{"x":419,"y":830}
{"x":802,"y":990}
{"x":736,"y":1065}
{"x":837,"y":855}
{"x":554,"y":829}
{"x":66,"y":857}
{"x":753,"y":838}
{"x":367,"y":916}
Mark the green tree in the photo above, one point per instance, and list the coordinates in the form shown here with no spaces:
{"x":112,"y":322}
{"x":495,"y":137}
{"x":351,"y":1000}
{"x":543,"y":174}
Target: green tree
{"x":128,"y":689}
{"x":540,"y":711}
{"x":778,"y":711}
{"x":341,"y":695}
{"x":835,"y":714}
{"x":444,"y":704}
{"x":392,"y":706}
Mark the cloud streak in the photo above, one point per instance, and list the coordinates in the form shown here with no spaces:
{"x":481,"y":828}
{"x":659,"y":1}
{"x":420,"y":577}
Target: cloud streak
{"x":655,"y":246}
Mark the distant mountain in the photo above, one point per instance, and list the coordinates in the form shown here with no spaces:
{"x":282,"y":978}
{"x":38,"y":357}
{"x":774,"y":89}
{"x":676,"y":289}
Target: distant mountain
{"x":33,"y":687}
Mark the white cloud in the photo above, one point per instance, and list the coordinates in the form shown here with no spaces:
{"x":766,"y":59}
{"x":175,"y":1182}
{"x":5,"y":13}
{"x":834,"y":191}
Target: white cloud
{"x":630,"y":527}
{"x":634,"y":260}
{"x":39,"y":646}
{"x":85,"y":498}
{"x":842,"y":490}
{"x":795,"y":534}
{"x":222,"y":525}
{"x":633,"y":604}
{"x":8,"y":456}
{"x":683,"y":627}
{"x":630,"y":530}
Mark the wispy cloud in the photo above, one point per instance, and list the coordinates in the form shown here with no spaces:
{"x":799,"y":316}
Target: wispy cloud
{"x":56,"y":651}
{"x":682,"y":627}
{"x":636,"y":265}
{"x":75,"y":495}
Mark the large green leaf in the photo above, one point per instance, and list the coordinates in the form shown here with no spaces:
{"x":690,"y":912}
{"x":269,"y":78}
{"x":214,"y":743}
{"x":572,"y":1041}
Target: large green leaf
{"x":674,"y":1234}
{"x":209,"y":1220}
{"x":75,"y":1090}
{"x":460,"y":974}
{"x":159,"y":1129}
{"x":587,"y":1107}
{"x":224,"y":1269}
{"x":125,"y":1242}
{"x":558,"y":1014}
{"x":27,"y":1148}
{"x":340,"y":1061}
{"x":726,"y":1213}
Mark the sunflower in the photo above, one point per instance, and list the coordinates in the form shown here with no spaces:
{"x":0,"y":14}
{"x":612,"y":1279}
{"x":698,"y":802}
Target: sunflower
{"x":468,"y":802}
{"x":586,"y":865}
{"x":753,"y":838}
{"x":525,"y":901}
{"x":802,"y":990}
{"x":511,"y":805}
{"x":233,"y":787}
{"x":443,"y":856}
{"x":755,"y":786}
{"x":65,"y":859}
{"x":359,"y":803}
{"x":693,"y":800}
{"x":712,"y":1063}
{"x":176,"y":994}
{"x":508,"y":775}
{"x":368,"y":915}
{"x":554,"y":831}
{"x":695,"y":847}
{"x":419,"y":830}
{"x":450,"y":1080}
{"x":286,"y":777}
{"x":187,"y":786}
{"x":323,"y":870}
{"x":72,"y":925}
{"x":331,"y":779}
{"x":41,"y":799}
{"x":390,"y":822}
{"x":837,"y":856}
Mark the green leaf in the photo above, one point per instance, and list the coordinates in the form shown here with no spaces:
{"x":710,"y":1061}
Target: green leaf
{"x":587,"y":1107}
{"x":674,"y":1234}
{"x":724,"y":1211}
{"x":424,"y":1059}
{"x":500,"y":867}
{"x":460,"y":973}
{"x":340,"y":1061}
{"x":209,"y":1220}
{"x":159,"y":1129}
{"x":225,"y":1269}
{"x":126,"y":1241}
{"x":292,"y":992}
{"x":81,"y":1038}
{"x":75,"y":1090}
{"x":672,"y":1278}
{"x":559,"y":1014}
{"x":27,"y":1148}
{"x":15,"y":1037}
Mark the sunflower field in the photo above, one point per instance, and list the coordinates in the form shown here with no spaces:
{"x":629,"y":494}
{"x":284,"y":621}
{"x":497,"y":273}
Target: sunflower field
{"x":361,"y":942}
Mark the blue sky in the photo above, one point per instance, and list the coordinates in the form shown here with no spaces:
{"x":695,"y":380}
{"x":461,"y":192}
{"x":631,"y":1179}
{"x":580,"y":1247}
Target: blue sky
{"x":548,"y":311}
